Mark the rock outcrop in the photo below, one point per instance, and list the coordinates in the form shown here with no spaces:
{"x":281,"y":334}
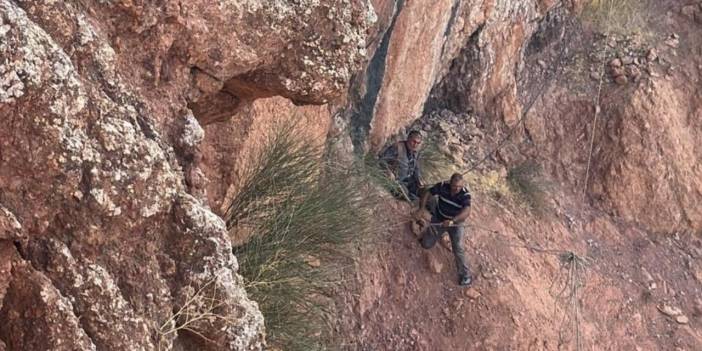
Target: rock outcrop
{"x":106,"y":235}
{"x":425,"y":49}
{"x":643,"y":156}
{"x":493,"y":59}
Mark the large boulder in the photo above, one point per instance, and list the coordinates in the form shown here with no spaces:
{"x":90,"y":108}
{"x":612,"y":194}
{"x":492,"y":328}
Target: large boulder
{"x":107,"y":238}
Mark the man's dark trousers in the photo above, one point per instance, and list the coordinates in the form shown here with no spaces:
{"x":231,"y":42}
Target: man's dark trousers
{"x":411,"y":184}
{"x":434,"y":233}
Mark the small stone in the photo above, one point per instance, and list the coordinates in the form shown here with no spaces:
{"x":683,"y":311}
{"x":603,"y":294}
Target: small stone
{"x":633,"y":72}
{"x":651,"y":55}
{"x":416,"y":228}
{"x":542,"y":63}
{"x":617,"y":71}
{"x":670,"y":311}
{"x":472,"y":293}
{"x":515,"y":320}
{"x":487,"y":275}
{"x":621,"y":80}
{"x":696,"y":252}
{"x":595,"y":76}
{"x":446,"y":243}
{"x":682,"y":319}
{"x":698,"y":307}
{"x":434,"y":264}
{"x":313,"y":261}
{"x":672,"y":42}
{"x":627,"y":60}
{"x":615,"y":63}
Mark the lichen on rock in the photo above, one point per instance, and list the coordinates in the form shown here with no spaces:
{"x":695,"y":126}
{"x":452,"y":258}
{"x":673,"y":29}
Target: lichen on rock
{"x":89,"y":185}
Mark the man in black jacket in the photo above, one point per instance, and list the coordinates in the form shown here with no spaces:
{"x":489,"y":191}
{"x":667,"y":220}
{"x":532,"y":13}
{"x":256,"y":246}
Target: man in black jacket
{"x":401,"y":160}
{"x":453,"y":207}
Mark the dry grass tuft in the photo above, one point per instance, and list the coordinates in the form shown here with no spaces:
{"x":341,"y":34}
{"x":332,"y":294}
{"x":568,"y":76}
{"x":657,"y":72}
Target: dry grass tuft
{"x":305,"y":214}
{"x":618,"y":17}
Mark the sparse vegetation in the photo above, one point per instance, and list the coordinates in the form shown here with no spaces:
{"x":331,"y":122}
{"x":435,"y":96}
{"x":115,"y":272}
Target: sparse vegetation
{"x":526,"y":183}
{"x":286,"y":165}
{"x":304,"y":213}
{"x":200,"y":305}
{"x":490,"y":183}
{"x":617,"y":17}
{"x":568,"y":288}
{"x":378,"y":176}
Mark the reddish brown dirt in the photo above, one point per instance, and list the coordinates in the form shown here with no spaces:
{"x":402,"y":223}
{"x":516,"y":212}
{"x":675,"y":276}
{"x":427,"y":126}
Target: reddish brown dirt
{"x":408,"y":298}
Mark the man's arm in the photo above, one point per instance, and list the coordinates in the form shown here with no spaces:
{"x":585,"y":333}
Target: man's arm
{"x":426,"y":194}
{"x":424,"y":200}
{"x":463,"y":215}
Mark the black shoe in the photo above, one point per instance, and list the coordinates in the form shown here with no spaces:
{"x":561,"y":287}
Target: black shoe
{"x":465,"y":280}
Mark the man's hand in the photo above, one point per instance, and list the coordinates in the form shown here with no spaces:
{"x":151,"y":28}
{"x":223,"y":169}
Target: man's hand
{"x":447,"y":223}
{"x":418,"y":214}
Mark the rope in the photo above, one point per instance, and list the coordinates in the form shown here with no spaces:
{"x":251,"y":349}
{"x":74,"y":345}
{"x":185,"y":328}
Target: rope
{"x":530,"y":104}
{"x":597,"y":108}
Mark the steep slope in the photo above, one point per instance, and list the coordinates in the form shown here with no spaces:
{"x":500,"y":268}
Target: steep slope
{"x":528,"y":294}
{"x":612,"y":262}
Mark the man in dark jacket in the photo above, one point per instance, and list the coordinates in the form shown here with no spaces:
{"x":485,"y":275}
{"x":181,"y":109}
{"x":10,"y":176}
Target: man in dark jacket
{"x":452,"y":208}
{"x":401,"y":159}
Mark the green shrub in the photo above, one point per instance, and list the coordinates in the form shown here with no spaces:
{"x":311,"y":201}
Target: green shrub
{"x":286,"y":166}
{"x":305,"y":213}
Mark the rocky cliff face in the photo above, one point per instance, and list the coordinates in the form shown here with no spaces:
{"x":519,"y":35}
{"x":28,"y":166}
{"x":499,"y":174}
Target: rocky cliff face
{"x":640,"y":145}
{"x":421,"y":45}
{"x":106,"y":235}
{"x":493,"y":59}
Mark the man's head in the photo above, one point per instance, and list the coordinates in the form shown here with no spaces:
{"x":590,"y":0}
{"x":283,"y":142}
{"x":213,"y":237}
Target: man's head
{"x":414,"y":140}
{"x":456,"y":183}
